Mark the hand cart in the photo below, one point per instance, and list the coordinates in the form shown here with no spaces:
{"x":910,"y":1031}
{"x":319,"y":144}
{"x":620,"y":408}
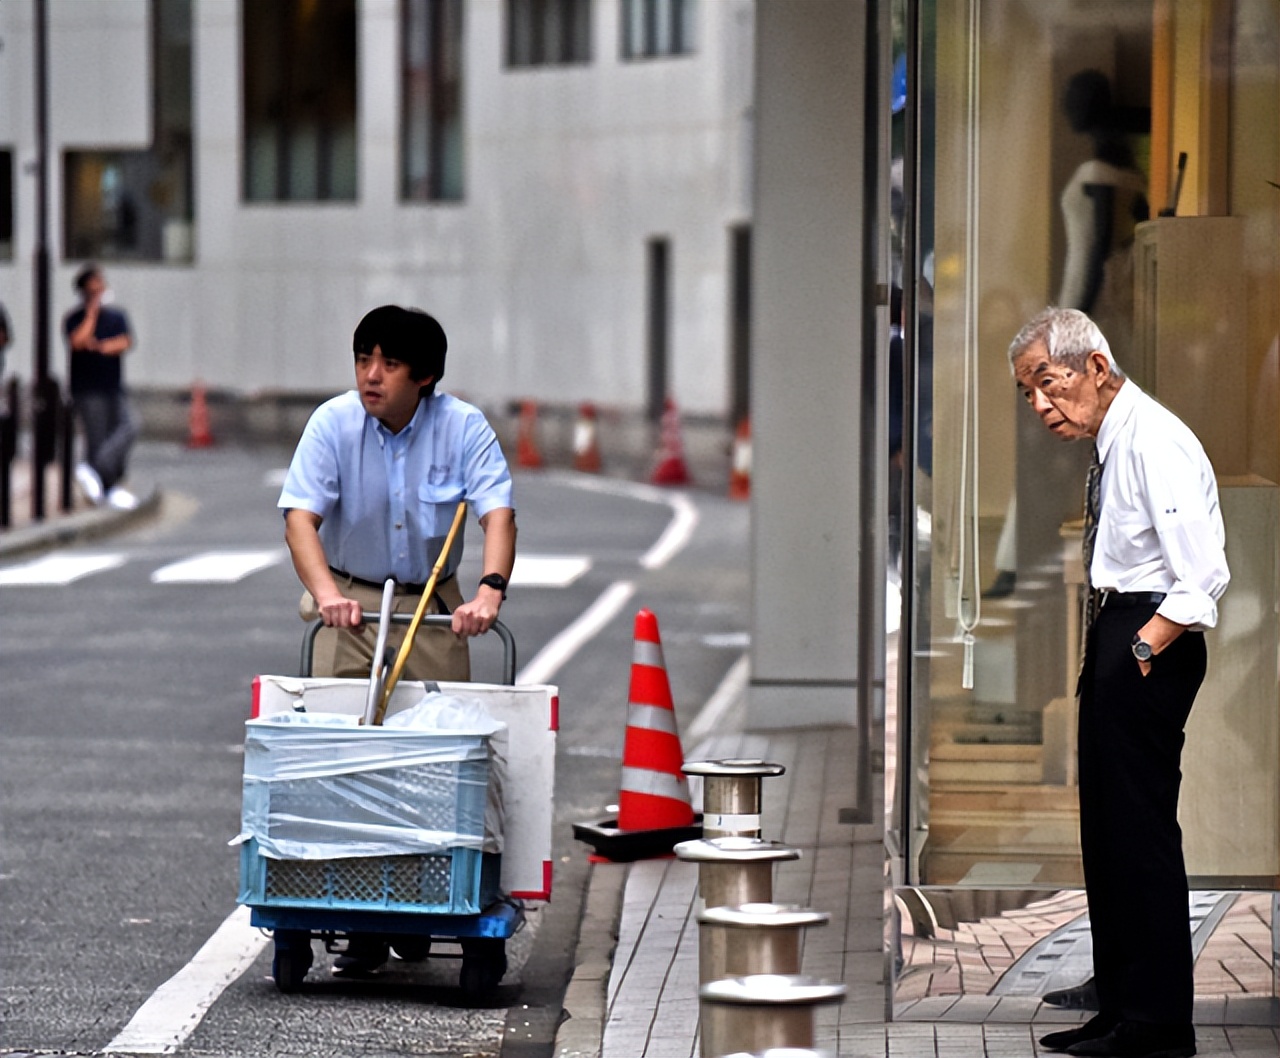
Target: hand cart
{"x":464,"y":896}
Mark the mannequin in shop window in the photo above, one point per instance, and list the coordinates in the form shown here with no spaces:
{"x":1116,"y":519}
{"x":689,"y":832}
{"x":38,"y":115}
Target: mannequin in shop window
{"x":1105,"y":199}
{"x":1102,"y":203}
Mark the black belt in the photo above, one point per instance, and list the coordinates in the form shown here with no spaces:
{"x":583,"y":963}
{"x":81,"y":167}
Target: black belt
{"x":407,"y":589}
{"x":1132,"y":598}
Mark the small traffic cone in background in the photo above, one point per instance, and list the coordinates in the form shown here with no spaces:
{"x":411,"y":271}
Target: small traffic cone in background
{"x":655,"y":791}
{"x":527,"y":454}
{"x":740,"y":471}
{"x":671,"y":468}
{"x":586,"y":441}
{"x":198,"y":433}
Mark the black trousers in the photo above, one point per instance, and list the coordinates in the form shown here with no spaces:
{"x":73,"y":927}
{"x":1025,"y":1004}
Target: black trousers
{"x":1130,"y":746}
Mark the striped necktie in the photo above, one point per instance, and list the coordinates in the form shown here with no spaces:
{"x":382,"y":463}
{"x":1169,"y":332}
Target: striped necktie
{"x":1092,"y":500}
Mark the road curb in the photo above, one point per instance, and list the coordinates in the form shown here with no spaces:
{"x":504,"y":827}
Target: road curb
{"x":62,"y":529}
{"x":586,"y":1009}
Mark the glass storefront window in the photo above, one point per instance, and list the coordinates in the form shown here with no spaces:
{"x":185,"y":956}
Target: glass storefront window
{"x":1049,"y":133}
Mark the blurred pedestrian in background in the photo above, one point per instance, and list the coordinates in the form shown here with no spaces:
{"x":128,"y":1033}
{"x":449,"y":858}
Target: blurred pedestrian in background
{"x":98,"y":335}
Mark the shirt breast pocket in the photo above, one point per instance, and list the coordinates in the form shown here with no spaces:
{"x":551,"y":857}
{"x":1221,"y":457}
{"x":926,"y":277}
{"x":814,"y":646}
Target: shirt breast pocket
{"x":438,"y":504}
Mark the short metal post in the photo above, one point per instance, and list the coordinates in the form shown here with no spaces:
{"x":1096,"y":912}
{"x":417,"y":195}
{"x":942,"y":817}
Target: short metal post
{"x":752,"y":939}
{"x":762,"y":1011}
{"x":731,"y":794}
{"x":733,"y":871}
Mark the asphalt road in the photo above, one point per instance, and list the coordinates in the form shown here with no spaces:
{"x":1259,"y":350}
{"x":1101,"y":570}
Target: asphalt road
{"x":121,"y":758}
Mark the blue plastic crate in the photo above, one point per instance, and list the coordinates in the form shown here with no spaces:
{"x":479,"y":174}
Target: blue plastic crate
{"x":452,"y":882}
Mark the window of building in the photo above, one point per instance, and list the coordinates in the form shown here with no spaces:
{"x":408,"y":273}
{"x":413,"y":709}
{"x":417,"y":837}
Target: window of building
{"x":137,"y":205}
{"x":657,"y":27}
{"x":299,"y":68}
{"x":6,"y":204}
{"x":431,"y":168}
{"x":548,"y":32}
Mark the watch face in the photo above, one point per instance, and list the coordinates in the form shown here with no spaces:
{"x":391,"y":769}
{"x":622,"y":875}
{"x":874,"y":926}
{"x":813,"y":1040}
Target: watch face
{"x":1141,"y":650}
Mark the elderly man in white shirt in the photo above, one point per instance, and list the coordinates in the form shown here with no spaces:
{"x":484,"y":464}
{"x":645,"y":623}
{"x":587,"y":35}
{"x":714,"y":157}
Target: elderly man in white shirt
{"x":1156,"y":571}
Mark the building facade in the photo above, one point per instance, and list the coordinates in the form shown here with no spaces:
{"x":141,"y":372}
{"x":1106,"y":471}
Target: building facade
{"x":564,"y":183}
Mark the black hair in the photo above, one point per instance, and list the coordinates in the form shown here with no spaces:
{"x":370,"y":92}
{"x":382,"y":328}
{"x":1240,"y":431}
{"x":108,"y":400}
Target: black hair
{"x":408,"y":335}
{"x":83,"y":276}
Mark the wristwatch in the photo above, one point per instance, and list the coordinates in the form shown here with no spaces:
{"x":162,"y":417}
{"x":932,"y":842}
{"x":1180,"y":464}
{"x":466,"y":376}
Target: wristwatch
{"x":499,"y":583}
{"x":1141,"y":650}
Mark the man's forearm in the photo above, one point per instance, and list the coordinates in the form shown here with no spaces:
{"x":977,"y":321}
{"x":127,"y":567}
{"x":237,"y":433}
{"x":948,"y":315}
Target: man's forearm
{"x":499,"y":541}
{"x":309,"y":559}
{"x":115,"y":346}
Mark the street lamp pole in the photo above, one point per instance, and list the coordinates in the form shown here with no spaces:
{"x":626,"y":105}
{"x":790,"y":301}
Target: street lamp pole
{"x":45,"y":397}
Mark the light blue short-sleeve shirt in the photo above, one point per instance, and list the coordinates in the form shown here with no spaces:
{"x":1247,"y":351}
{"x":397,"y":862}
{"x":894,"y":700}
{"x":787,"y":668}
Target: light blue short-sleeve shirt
{"x":387,"y":500}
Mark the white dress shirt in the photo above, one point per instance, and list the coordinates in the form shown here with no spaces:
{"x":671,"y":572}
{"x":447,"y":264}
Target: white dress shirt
{"x":1159,"y":526}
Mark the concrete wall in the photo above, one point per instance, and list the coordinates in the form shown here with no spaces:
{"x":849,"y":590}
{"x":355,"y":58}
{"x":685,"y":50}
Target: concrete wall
{"x":538,"y":275}
{"x":806,"y":364}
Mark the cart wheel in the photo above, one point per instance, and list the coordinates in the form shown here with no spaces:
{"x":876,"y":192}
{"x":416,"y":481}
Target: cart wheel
{"x":484,"y":962}
{"x":292,"y":960}
{"x":412,"y":949}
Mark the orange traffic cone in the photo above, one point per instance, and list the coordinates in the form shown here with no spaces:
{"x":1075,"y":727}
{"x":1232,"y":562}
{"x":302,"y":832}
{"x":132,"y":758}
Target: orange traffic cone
{"x":198,"y":433}
{"x":740,"y":472}
{"x":586,"y":441}
{"x":671,"y":468}
{"x":655,"y":791}
{"x":527,"y":454}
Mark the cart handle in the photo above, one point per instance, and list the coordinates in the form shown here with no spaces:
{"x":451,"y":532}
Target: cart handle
{"x":440,"y":620}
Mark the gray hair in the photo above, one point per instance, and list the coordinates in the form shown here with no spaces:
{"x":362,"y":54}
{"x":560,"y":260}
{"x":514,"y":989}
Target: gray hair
{"x":1068,"y":335}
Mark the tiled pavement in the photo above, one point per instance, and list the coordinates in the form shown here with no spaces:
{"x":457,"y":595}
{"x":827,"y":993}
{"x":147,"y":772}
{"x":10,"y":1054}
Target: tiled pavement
{"x":644,"y":996}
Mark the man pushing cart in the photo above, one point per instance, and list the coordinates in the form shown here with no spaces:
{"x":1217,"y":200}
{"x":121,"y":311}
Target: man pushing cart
{"x":374,"y":505}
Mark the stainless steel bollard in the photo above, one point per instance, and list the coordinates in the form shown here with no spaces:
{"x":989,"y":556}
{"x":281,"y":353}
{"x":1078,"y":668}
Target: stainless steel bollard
{"x":731,"y":794}
{"x":752,"y":939}
{"x":762,"y":1011}
{"x":733,"y":871}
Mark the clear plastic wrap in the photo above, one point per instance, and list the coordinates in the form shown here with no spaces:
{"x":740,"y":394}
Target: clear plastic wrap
{"x":317,"y":788}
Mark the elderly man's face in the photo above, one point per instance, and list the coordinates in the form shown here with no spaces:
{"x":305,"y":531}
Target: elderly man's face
{"x":1068,"y":402}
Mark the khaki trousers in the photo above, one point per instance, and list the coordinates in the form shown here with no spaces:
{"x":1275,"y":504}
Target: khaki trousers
{"x":437,"y":653}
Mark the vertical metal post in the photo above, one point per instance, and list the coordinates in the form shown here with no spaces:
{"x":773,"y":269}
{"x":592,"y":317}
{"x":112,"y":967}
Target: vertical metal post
{"x":871,"y":531}
{"x":910,"y":351}
{"x":44,"y":408}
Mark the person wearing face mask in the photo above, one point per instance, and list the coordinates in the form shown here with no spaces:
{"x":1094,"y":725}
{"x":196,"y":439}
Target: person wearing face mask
{"x":1156,"y":567}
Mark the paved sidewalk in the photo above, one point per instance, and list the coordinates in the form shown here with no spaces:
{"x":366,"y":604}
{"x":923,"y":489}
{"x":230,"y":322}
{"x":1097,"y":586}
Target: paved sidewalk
{"x":83,"y":522}
{"x":635,"y":992}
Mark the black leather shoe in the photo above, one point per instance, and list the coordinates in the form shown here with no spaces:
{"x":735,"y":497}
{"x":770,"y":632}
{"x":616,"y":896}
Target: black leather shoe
{"x":1095,"y":1028}
{"x":1081,"y":997}
{"x":1140,"y":1039}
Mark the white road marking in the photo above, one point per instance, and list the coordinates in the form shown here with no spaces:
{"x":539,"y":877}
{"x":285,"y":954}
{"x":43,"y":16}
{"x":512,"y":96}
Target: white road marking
{"x":548,"y":571}
{"x":552,"y":657}
{"x":174,"y":1010}
{"x":216,"y":567}
{"x":728,"y":640}
{"x":678,"y":532}
{"x":274,"y":479}
{"x":59,"y":569}
{"x":725,"y":697}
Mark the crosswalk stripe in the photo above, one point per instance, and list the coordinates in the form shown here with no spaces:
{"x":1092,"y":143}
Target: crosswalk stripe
{"x":229,"y":567}
{"x":59,"y":569}
{"x":216,"y":567}
{"x":548,"y":571}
